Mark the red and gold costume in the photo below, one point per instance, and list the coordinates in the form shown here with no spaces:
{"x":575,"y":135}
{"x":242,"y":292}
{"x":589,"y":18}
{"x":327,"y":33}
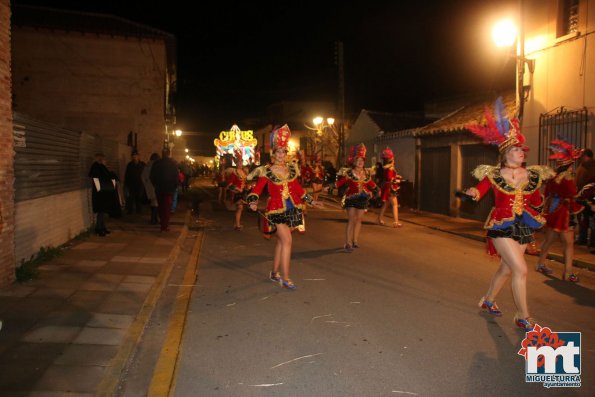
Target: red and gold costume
{"x":560,"y":207}
{"x":512,"y":204}
{"x":356,"y":186}
{"x":286,"y":194}
{"x":306,"y":173}
{"x":317,"y":174}
{"x":236,"y":178}
{"x":516,"y":212}
{"x":392,"y":180}
{"x":559,"y":203}
{"x":281,"y":190}
{"x":357,"y":192}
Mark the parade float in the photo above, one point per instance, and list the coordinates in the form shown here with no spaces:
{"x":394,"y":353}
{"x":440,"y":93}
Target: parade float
{"x":234,"y":140}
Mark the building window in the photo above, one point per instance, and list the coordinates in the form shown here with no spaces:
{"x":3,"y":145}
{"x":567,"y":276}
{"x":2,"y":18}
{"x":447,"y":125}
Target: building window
{"x":567,"y":17}
{"x":562,"y":123}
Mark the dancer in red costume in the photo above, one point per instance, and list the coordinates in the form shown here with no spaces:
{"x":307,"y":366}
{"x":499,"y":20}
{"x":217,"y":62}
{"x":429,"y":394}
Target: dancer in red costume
{"x":513,"y":219}
{"x":560,"y":209}
{"x":285,"y":203}
{"x":317,"y":177}
{"x":236,"y":184}
{"x":390,"y":187}
{"x":359,"y":189}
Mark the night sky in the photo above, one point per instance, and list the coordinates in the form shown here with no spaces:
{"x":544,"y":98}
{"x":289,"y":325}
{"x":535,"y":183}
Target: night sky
{"x":237,"y":57}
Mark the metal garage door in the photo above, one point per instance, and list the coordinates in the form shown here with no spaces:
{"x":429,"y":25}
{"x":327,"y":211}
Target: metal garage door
{"x":435,"y":180}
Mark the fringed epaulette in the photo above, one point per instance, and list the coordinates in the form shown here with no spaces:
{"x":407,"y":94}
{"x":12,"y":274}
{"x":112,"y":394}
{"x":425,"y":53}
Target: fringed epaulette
{"x":343,"y":171}
{"x":296,"y":166}
{"x":256,"y":172}
{"x":483,"y":170}
{"x":544,"y":171}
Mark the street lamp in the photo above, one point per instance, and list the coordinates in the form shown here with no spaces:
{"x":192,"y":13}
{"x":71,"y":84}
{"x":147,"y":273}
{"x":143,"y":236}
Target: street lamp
{"x":320,"y":126}
{"x":504,"y":34}
{"x":178,"y":132}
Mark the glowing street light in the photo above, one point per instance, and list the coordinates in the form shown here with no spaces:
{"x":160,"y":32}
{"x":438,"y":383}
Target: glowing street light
{"x":504,"y":33}
{"x":320,"y":125}
{"x":178,"y":132}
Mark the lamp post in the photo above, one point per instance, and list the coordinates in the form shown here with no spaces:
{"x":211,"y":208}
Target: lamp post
{"x":320,"y":126}
{"x":506,"y":34}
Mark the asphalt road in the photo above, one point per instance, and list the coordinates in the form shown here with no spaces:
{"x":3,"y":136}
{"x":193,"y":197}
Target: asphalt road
{"x":398,"y":316}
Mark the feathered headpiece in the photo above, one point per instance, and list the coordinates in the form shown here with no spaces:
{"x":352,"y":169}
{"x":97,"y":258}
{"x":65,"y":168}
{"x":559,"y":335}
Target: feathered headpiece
{"x":388,"y":154}
{"x":280,"y":138}
{"x":499,"y":129}
{"x":563,"y":152}
{"x":355,"y":152}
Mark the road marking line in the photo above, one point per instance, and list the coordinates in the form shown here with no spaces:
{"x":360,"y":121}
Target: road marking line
{"x":163,"y":380}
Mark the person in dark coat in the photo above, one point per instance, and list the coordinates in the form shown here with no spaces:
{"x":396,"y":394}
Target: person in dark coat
{"x":102,"y":194}
{"x":585,"y":174}
{"x":164,"y":176}
{"x":150,"y":189}
{"x":133,"y":183}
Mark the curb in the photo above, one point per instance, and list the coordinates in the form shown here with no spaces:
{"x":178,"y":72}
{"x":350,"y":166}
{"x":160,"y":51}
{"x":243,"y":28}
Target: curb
{"x":111,"y":379}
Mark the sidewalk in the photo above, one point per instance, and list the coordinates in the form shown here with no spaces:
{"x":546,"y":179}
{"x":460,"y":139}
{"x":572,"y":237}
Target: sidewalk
{"x":71,"y":331}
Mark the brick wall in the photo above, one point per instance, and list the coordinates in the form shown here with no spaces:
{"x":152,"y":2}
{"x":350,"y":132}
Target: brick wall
{"x":7,"y":252}
{"x":111,"y":85}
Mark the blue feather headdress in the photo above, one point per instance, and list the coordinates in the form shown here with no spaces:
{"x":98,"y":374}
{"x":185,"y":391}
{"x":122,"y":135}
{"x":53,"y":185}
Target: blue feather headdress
{"x":499,"y":129}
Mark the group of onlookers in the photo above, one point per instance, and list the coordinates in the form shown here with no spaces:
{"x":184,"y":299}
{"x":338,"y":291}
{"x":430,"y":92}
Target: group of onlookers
{"x":155,"y":183}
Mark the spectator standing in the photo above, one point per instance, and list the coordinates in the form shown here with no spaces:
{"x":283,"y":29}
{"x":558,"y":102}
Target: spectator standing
{"x":585,"y":173}
{"x":181,"y":180}
{"x":134,"y":184}
{"x":150,"y":189}
{"x":103,"y":193}
{"x":164,"y":177}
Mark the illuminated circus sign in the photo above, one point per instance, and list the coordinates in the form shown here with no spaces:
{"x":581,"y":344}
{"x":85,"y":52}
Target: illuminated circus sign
{"x":237,"y":140}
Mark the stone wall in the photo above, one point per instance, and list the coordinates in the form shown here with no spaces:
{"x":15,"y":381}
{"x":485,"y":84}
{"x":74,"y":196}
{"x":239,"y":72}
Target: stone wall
{"x":7,"y":252}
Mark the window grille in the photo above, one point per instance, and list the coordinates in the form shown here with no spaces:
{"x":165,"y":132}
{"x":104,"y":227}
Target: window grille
{"x":568,"y":17}
{"x":562,"y":123}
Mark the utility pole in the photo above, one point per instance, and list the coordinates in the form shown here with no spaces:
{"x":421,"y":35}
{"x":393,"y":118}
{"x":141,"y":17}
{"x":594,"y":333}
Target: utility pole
{"x":341,"y":101}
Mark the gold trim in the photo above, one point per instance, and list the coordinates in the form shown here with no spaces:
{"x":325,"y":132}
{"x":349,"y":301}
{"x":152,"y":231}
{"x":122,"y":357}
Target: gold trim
{"x":483,"y":170}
